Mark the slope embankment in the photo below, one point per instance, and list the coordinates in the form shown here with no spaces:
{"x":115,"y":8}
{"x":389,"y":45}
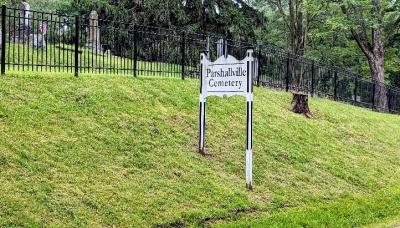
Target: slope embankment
{"x":103,"y":150}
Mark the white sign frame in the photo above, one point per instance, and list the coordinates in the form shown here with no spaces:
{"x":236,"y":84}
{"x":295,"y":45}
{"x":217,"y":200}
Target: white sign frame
{"x":233,"y":78}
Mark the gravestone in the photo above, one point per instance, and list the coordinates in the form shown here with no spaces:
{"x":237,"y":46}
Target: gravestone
{"x":64,"y":28}
{"x":43,"y":28}
{"x":38,"y":40}
{"x":93,"y":35}
{"x":24,"y":28}
{"x":222,"y":48}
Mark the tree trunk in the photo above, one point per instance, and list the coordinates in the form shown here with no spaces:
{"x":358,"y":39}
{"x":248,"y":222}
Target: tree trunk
{"x":373,"y":48}
{"x":378,"y":75}
{"x":298,"y":31}
{"x":300,"y":104}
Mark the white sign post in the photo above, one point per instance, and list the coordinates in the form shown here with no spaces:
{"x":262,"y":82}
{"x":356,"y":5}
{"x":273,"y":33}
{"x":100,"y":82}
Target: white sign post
{"x":228,"y":76}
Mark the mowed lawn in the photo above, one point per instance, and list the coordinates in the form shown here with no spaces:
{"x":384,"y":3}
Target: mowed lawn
{"x":107,"y":150}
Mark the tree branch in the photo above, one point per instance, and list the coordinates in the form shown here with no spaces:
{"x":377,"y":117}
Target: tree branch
{"x":394,"y":29}
{"x":278,"y":4}
{"x":365,"y":49}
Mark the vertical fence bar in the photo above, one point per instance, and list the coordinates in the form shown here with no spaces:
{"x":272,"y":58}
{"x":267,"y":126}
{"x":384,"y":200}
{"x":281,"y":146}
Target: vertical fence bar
{"x":13,"y":47}
{"x":355,"y":89}
{"x":76,"y":67}
{"x":259,"y":66}
{"x":183,"y":40}
{"x":42,"y":23}
{"x":135,"y":33}
{"x":51,"y":54}
{"x":113,"y":58}
{"x":46,"y":40}
{"x":26,"y":30}
{"x":389,"y":99}
{"x":3,"y":40}
{"x":335,"y":85}
{"x":36,"y":47}
{"x":373,"y":94}
{"x":34,"y":40}
{"x":92,"y":36}
{"x":37,"y":41}
{"x":287,"y":73}
{"x":312,"y":79}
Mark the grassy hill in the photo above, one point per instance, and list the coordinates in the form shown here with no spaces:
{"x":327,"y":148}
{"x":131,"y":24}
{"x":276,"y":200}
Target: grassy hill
{"x":104,"y":150}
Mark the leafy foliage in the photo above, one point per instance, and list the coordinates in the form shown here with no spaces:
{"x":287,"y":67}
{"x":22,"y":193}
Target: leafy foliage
{"x":329,"y":37}
{"x":214,"y":16}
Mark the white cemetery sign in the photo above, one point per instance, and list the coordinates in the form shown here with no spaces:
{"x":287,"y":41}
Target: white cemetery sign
{"x":228,"y":76}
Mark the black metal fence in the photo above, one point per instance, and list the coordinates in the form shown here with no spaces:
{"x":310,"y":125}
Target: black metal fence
{"x":40,"y":41}
{"x":282,"y":70}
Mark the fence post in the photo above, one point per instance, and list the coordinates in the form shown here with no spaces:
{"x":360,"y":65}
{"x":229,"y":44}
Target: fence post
{"x":183,"y":40}
{"x":76,"y":46}
{"x":3,"y":40}
{"x":259,"y":66}
{"x":287,"y":73}
{"x":135,"y":33}
{"x":389,"y":100}
{"x":335,"y":85}
{"x":312,"y":79}
{"x":355,"y":89}
{"x":373,"y":94}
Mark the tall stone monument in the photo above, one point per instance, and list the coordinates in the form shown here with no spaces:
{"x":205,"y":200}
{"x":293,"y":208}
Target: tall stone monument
{"x":24,"y":28}
{"x":222,"y":48}
{"x":93,"y":33}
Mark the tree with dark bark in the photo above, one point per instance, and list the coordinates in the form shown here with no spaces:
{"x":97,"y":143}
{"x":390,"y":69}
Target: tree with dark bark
{"x":374,"y":24}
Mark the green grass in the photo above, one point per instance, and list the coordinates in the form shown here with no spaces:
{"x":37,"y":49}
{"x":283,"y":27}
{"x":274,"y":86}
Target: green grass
{"x":106,"y":150}
{"x":61,"y":58}
{"x":349,"y":211}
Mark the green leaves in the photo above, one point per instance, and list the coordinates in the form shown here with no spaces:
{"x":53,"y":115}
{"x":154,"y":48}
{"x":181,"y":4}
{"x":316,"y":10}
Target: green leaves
{"x":234,"y":20}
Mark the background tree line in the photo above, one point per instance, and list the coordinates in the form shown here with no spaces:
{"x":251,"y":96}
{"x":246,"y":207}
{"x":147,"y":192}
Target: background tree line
{"x":362,"y":35}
